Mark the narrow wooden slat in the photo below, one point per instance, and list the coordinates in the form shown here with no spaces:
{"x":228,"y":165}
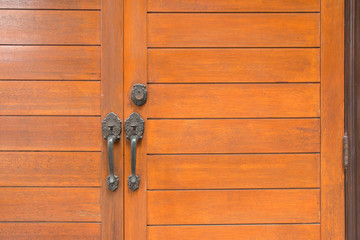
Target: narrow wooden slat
{"x":233,"y":100}
{"x":50,"y":133}
{"x":49,"y":27}
{"x":53,"y":231}
{"x":49,"y":169}
{"x":234,"y":30}
{"x":49,"y":98}
{"x":233,"y":136}
{"x":233,"y":65}
{"x":233,"y":171}
{"x":50,"y":204}
{"x":243,"y":232}
{"x":50,"y":4}
{"x":233,"y":6}
{"x":50,"y":62}
{"x":233,"y":207}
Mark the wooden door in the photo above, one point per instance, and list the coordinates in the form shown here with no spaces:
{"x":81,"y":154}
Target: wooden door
{"x":243,"y":121}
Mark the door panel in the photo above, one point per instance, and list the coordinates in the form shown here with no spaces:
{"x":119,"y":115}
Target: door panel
{"x":48,"y":4}
{"x":233,"y":65}
{"x":234,"y":30}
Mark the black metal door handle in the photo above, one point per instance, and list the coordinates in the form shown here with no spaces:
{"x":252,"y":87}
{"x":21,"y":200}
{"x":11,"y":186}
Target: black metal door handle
{"x":111,"y":128}
{"x":134,"y":129}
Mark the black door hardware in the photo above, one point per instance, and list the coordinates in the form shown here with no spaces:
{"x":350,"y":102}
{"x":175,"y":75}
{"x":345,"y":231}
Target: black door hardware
{"x":139,"y":94}
{"x":111,"y":128}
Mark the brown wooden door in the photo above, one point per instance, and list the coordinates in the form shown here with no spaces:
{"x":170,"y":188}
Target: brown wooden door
{"x":243,"y":121}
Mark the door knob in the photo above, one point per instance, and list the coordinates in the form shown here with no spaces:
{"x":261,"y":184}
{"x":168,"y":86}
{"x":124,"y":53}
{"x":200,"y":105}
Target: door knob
{"x":134,"y":129}
{"x":111,"y":128}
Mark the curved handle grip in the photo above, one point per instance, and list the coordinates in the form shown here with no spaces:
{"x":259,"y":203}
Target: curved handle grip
{"x":111,"y":127}
{"x":134,"y":128}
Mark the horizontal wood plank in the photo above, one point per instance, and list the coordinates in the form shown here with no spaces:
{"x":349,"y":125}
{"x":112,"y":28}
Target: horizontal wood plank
{"x":50,"y":133}
{"x":50,"y":204}
{"x":49,"y":27}
{"x":233,"y":206}
{"x":50,"y":4}
{"x":53,"y":231}
{"x":50,"y":62}
{"x":242,"y":232}
{"x":233,"y":65}
{"x":233,"y":171}
{"x":234,"y":30}
{"x":233,"y":6}
{"x":49,"y":98}
{"x":233,"y":136}
{"x":233,"y":100}
{"x":50,"y":169}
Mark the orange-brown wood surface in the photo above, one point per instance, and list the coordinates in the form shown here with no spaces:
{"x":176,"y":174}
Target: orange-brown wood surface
{"x":49,"y":27}
{"x":233,"y":6}
{"x":233,"y":136}
{"x":50,"y":4}
{"x":50,"y":204}
{"x":234,"y":30}
{"x":53,"y":231}
{"x":50,"y":169}
{"x":50,"y":133}
{"x":50,"y":62}
{"x":49,"y":98}
{"x":233,"y":171}
{"x":233,"y":100}
{"x":241,"y":232}
{"x":233,"y":65}
{"x":233,"y":206}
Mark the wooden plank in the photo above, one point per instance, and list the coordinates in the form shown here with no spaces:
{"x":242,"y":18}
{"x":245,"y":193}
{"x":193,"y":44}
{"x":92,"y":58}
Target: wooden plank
{"x":233,"y":136}
{"x":50,"y":62}
{"x":53,"y":231}
{"x":332,"y":120}
{"x":233,"y":207}
{"x":49,"y":4}
{"x":37,"y":27}
{"x":233,"y":171}
{"x":242,"y":232}
{"x":49,"y":98}
{"x":233,"y":65}
{"x":233,"y":100}
{"x":234,"y":30}
{"x":233,"y":6}
{"x":135,"y":71}
{"x":112,"y":100}
{"x":50,"y":133}
{"x":49,"y":169}
{"x":50,"y":204}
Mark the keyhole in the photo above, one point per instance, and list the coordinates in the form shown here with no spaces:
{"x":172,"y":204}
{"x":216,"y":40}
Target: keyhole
{"x":139,"y":95}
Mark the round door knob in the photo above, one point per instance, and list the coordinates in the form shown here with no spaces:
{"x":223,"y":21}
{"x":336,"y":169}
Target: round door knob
{"x":139,"y":94}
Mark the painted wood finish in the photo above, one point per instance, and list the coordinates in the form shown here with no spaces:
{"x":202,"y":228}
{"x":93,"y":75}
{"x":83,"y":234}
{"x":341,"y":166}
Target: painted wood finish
{"x":48,"y":4}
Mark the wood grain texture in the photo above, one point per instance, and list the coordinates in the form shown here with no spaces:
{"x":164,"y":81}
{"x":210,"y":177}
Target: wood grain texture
{"x":243,"y":232}
{"x":50,"y":204}
{"x":234,"y":30}
{"x":49,"y":98}
{"x":49,"y":169}
{"x":50,"y":62}
{"x":112,"y":100}
{"x":50,"y":4}
{"x":332,"y":120}
{"x":233,"y":136}
{"x":53,"y":231}
{"x":233,"y":207}
{"x":233,"y":6}
{"x":50,"y":133}
{"x":233,"y":171}
{"x":233,"y":100}
{"x":37,"y":27}
{"x":233,"y":65}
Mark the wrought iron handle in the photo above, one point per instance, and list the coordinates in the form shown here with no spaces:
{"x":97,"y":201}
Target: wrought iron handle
{"x":111,"y":127}
{"x":134,"y":129}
